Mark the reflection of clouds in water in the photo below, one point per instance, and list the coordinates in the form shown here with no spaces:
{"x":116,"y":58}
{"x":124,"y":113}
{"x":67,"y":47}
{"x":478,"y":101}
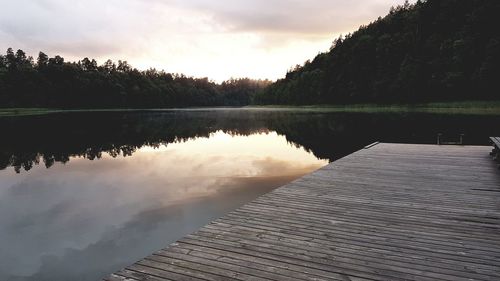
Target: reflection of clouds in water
{"x":270,"y":166}
{"x":141,"y":235}
{"x":91,"y":217}
{"x":46,"y":215}
{"x":158,"y":226}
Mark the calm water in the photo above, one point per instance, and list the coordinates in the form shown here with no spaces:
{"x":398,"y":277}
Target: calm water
{"x":84,"y":194}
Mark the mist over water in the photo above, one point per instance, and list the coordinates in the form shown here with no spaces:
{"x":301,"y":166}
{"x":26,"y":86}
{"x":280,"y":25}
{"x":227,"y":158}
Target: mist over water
{"x":85,"y":194}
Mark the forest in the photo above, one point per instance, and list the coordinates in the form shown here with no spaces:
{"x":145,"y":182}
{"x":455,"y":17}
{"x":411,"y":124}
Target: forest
{"x":435,"y":50}
{"x":55,"y":83}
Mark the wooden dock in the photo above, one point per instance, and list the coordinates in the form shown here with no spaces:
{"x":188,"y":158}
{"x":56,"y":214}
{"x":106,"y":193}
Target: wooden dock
{"x":388,"y":212}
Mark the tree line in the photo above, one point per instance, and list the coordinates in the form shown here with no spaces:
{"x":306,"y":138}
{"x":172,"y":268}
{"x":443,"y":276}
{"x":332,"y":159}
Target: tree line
{"x":435,"y":50}
{"x":52,"y":82}
{"x":328,"y":136}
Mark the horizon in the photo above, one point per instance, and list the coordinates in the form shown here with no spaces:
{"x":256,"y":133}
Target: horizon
{"x":217,"y":41}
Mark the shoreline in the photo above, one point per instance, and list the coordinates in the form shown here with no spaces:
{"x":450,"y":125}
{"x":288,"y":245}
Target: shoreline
{"x":466,"y":108}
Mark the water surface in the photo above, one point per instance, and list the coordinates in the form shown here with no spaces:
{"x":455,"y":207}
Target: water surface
{"x":84,"y":194}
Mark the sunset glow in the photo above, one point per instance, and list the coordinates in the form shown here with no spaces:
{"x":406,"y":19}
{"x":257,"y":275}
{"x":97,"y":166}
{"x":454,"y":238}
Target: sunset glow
{"x":201,"y":38}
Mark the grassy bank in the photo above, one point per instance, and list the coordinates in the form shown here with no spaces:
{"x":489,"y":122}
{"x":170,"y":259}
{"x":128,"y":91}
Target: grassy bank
{"x":25,"y":111}
{"x":470,"y":107}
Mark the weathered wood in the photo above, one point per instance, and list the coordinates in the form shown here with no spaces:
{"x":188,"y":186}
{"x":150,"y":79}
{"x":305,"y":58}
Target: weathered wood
{"x":496,"y":149}
{"x":496,"y":141}
{"x":387,"y":212}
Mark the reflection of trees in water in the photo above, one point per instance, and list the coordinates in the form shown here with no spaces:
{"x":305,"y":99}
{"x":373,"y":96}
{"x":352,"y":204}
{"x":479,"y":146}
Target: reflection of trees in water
{"x":55,"y":138}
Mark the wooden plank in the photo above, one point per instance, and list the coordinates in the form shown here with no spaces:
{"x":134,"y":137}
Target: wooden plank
{"x":345,"y":258}
{"x":116,"y":277}
{"x":251,"y":259}
{"x":496,"y":150}
{"x":250,"y":266}
{"x":348,"y":245}
{"x":496,"y":141}
{"x":129,"y":275}
{"x":386,"y":212}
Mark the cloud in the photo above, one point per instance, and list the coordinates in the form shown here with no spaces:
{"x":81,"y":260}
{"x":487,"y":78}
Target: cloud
{"x":290,"y":16}
{"x":218,"y":39}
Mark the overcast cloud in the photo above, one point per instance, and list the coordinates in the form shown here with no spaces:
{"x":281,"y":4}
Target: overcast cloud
{"x":217,"y":39}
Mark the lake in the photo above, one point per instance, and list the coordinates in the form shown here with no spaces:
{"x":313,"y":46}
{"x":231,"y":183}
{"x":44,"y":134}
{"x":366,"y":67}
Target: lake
{"x":85,"y":194}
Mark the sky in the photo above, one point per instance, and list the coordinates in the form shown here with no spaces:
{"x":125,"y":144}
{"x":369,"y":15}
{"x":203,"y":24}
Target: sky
{"x":218,"y":39}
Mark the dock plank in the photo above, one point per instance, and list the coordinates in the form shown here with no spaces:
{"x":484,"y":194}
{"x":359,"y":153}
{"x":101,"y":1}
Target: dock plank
{"x":387,"y":212}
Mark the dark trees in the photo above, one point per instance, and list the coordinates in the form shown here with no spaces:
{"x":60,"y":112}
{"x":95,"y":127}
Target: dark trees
{"x":52,"y":82}
{"x":435,"y":50}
